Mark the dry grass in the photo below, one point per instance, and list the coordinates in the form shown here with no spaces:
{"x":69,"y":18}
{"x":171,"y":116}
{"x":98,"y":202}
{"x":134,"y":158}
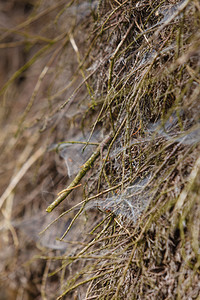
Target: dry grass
{"x":123,"y":81}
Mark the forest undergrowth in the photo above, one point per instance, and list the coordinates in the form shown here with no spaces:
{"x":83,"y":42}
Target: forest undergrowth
{"x":100,"y":165}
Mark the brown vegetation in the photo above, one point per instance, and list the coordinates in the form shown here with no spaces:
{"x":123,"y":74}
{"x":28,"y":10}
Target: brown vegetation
{"x":100,"y":127}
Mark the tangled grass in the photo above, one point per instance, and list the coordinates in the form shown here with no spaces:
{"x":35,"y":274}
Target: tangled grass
{"x":128,"y":222}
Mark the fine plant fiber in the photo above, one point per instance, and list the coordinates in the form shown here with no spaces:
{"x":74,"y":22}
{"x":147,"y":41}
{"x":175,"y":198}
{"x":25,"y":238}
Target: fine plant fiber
{"x":106,"y":131}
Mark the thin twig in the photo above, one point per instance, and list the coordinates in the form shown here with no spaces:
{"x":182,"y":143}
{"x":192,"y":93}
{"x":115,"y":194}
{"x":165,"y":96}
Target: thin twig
{"x":79,"y":176}
{"x":20,"y":174}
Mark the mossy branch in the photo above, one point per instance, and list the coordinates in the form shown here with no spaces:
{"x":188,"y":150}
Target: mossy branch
{"x":80,"y":175}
